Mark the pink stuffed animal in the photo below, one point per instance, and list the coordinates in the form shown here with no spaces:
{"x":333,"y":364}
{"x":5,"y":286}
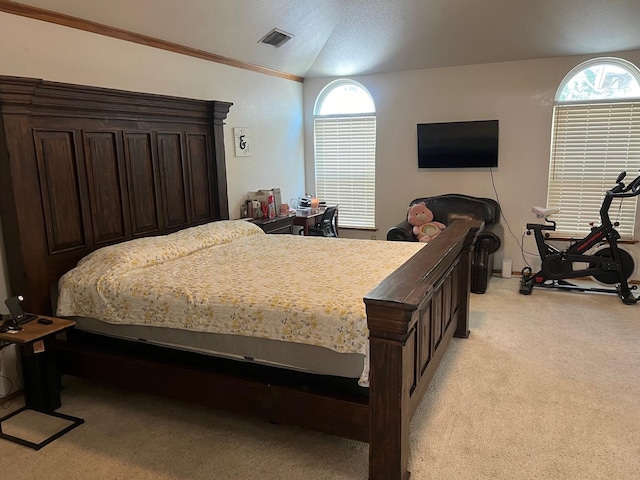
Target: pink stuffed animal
{"x":421,"y":218}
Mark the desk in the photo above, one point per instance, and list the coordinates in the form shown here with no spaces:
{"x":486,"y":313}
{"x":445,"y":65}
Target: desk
{"x":41,"y":381}
{"x":306,"y":220}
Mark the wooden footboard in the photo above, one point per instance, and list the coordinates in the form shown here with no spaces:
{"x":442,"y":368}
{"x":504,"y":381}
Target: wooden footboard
{"x":412,"y":315}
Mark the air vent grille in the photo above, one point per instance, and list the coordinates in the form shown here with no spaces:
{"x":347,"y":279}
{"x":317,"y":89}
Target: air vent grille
{"x":276,"y":38}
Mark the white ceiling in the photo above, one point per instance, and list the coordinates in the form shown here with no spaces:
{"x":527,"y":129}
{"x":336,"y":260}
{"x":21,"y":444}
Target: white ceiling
{"x":352,"y":37}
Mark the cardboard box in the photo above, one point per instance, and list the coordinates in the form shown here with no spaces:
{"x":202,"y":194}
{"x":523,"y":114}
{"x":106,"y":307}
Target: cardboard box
{"x":260,"y":195}
{"x":264,"y":194}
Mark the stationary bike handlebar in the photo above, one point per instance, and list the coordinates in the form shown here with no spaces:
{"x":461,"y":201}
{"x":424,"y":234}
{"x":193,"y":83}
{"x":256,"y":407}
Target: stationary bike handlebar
{"x":620,"y":191}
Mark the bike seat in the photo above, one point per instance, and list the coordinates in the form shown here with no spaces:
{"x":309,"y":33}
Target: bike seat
{"x":542,"y":212}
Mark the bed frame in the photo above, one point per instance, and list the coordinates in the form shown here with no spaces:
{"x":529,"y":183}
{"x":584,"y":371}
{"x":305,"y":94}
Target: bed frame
{"x":84,"y":167}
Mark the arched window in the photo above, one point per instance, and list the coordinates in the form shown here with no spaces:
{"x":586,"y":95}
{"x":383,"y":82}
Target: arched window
{"x":345,"y":151}
{"x":595,"y":136}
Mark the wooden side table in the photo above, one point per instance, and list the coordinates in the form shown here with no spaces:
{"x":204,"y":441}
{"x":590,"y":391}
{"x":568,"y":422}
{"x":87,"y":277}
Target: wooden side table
{"x":283,"y":224}
{"x":41,"y":380}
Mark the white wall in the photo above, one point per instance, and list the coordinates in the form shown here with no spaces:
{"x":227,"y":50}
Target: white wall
{"x":519,"y":94}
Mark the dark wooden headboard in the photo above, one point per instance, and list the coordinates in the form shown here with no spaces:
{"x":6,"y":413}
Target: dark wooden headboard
{"x":84,"y":167}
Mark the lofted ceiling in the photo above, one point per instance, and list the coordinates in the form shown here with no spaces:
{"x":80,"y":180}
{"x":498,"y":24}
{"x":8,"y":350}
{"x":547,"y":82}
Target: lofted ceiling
{"x":354,"y":37}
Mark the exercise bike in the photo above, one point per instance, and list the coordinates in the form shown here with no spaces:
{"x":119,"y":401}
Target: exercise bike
{"x":598,"y":255}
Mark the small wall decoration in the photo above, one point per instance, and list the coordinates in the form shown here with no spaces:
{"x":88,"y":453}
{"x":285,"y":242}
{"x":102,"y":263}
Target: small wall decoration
{"x":242,"y":141}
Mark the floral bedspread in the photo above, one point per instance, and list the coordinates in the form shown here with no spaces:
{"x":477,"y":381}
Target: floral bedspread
{"x":229,"y":277}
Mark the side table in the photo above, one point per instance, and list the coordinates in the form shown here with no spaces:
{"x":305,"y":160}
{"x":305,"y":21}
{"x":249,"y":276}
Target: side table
{"x":41,"y":380}
{"x":277,"y":225}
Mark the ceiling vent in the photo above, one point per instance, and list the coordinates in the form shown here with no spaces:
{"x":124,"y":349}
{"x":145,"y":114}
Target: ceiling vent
{"x":276,"y":38}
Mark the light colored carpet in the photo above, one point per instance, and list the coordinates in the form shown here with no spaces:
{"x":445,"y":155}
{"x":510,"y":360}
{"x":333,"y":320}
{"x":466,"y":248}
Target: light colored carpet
{"x":546,"y":387}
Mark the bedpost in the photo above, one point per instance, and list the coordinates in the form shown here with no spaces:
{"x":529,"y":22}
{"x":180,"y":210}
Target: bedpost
{"x":412,"y":315}
{"x":219,"y":176}
{"x":389,"y":394}
{"x":462,"y":330}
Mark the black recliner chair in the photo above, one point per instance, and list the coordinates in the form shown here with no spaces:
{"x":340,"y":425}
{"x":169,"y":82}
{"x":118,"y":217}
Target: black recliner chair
{"x":452,"y":206}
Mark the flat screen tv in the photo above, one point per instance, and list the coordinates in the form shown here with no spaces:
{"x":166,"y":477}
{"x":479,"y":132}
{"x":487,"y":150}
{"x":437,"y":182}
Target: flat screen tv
{"x":458,"y":144}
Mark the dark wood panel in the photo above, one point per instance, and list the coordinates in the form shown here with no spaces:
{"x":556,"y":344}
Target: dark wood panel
{"x":275,"y":400}
{"x":455,"y":294}
{"x":142,"y":183}
{"x":172,"y":179}
{"x":455,"y":288}
{"x":106,"y":186}
{"x":425,"y":327}
{"x":220,"y":173}
{"x":20,"y":211}
{"x":411,"y":372}
{"x":199,"y":174}
{"x":446,"y":302}
{"x":58,"y":172}
{"x":436,"y":315}
{"x":388,"y":401}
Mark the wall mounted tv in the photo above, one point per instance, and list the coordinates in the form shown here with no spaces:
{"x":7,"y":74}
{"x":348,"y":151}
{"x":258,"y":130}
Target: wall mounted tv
{"x":458,"y":144}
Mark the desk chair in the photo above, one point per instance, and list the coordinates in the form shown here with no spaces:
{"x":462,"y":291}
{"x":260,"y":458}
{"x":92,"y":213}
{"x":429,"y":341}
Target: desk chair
{"x":326,"y":227}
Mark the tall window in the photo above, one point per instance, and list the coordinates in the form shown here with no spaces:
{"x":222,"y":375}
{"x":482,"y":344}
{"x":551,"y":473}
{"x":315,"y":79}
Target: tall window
{"x":596,"y":135}
{"x":345,"y":152}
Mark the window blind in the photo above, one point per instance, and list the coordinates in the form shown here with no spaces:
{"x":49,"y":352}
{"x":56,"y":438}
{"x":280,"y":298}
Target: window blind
{"x":591,"y":145}
{"x":345,"y":150}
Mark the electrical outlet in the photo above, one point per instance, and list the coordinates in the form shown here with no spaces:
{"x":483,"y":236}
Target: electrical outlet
{"x":373,"y":237}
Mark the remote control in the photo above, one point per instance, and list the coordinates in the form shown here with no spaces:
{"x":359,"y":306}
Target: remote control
{"x":45,"y":321}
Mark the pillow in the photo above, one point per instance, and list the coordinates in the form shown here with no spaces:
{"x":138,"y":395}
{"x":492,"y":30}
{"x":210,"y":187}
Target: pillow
{"x":144,"y":252}
{"x":214,"y":233}
{"x":97,"y":270}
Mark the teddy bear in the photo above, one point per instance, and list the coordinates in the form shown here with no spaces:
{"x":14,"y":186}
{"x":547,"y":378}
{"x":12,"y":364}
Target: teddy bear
{"x":424,"y":228}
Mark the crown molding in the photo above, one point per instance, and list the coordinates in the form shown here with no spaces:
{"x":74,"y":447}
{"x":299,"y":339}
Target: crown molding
{"x":93,"y":27}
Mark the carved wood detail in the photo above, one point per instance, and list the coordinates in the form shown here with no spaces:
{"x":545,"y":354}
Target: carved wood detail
{"x":425,"y":350}
{"x":173,"y":172}
{"x":58,"y":170}
{"x":199,"y":175}
{"x":141,"y":176}
{"x":107,"y":187}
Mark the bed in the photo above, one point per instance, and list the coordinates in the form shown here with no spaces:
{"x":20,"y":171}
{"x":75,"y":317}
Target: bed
{"x":189,"y":284}
{"x":85,"y":168}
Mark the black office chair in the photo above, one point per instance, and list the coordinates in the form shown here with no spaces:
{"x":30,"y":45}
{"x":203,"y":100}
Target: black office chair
{"x":327,"y":226}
